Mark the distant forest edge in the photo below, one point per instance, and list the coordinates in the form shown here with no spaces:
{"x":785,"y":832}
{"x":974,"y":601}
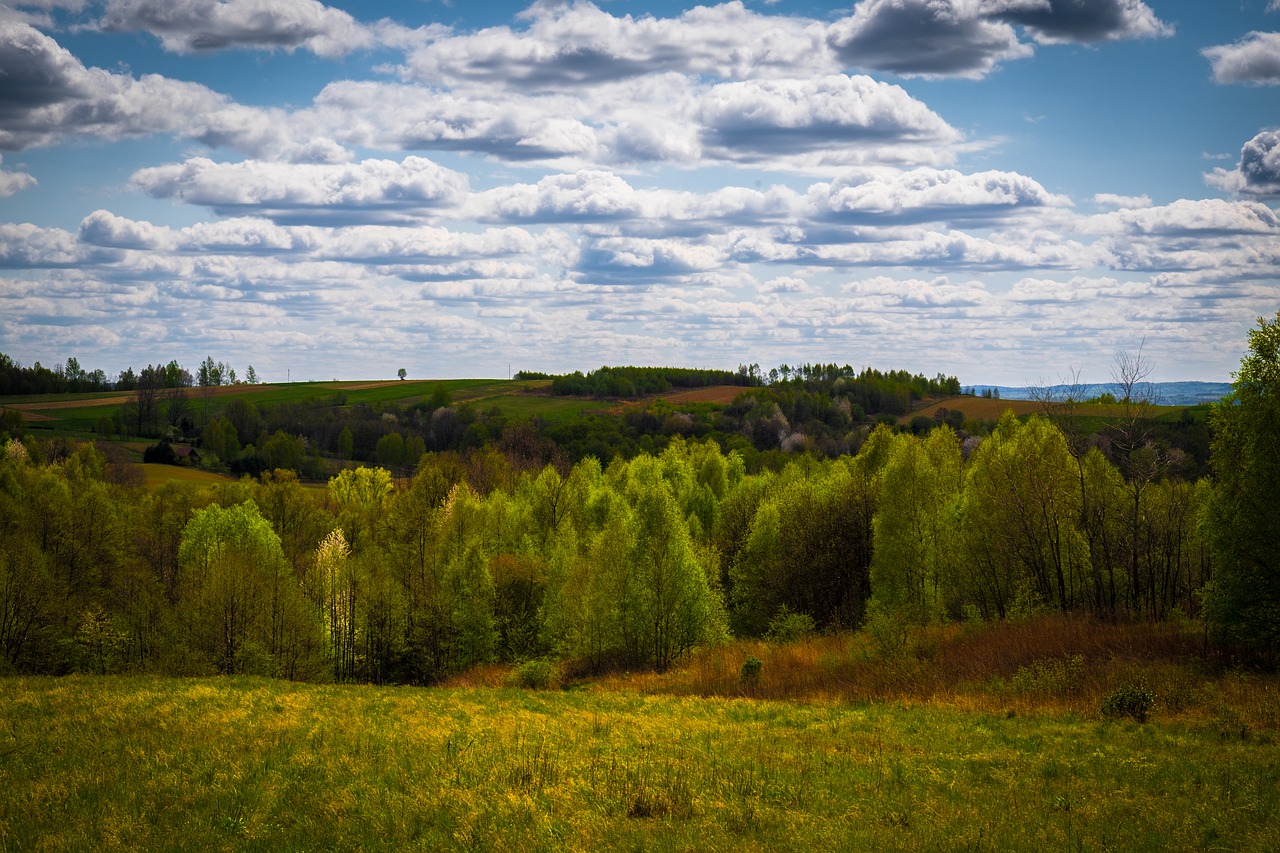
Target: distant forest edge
{"x":606,"y":382}
{"x":317,"y":429}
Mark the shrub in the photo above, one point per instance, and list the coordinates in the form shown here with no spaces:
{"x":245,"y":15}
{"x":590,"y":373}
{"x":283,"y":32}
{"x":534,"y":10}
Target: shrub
{"x":789,"y":625}
{"x":536,"y":674}
{"x":751,"y":669}
{"x":1061,"y":677}
{"x":888,"y":635}
{"x":1132,"y":699}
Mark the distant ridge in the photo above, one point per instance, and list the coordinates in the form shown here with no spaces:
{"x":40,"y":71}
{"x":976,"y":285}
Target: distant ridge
{"x":1162,"y":393}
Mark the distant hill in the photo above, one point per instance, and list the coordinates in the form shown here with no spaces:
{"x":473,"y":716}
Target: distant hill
{"x":1163,"y":393}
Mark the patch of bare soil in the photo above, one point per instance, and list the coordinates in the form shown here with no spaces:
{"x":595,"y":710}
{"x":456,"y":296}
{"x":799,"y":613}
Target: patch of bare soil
{"x":718,"y":394}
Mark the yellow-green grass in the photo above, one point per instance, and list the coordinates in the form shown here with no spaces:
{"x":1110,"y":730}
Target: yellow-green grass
{"x":546,"y":407}
{"x":139,"y":763}
{"x":157,"y":475}
{"x":80,"y":412}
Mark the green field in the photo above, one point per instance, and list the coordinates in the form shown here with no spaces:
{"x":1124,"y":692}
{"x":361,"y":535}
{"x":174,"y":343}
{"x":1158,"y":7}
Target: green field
{"x":156,"y":474}
{"x":77,"y":414}
{"x":90,"y":763}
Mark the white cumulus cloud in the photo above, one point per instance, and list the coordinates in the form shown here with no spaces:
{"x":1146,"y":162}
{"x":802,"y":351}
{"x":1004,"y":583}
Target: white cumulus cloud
{"x":370,"y":190}
{"x":200,"y":26}
{"x":1254,"y":59}
{"x":1258,"y":173}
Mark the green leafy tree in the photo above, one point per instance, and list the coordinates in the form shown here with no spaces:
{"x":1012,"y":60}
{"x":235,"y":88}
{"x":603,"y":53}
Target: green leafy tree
{"x":390,"y":450}
{"x":913,"y":544}
{"x":220,"y":439}
{"x":674,"y":607}
{"x":361,"y":495}
{"x":1019,"y":519}
{"x":282,"y":450}
{"x":338,"y":591}
{"x":346,"y":443}
{"x":243,"y":606}
{"x":1242,"y":519}
{"x":809,"y":548}
{"x":30,"y":607}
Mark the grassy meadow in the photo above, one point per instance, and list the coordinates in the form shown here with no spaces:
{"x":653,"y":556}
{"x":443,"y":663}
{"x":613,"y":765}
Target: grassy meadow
{"x":77,"y":413}
{"x":929,"y":754}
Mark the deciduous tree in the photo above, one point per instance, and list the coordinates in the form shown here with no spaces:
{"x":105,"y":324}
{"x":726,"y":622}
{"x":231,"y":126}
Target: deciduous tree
{"x":1242,"y":521}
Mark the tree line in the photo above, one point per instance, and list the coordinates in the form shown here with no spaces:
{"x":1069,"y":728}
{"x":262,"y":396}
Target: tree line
{"x":630,"y":564}
{"x":490,"y":556}
{"x":826,"y":414}
{"x":71,"y":378}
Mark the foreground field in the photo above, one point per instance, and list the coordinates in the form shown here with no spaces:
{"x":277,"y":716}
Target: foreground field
{"x":148,"y":763}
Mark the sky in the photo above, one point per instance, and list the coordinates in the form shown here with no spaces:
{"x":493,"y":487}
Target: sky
{"x":1006,"y":191}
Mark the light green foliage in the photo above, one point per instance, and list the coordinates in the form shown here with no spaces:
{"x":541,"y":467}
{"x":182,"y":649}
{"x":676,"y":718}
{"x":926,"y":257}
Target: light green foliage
{"x":361,"y":494}
{"x":1242,"y":518}
{"x":294,"y":515}
{"x":220,"y":439}
{"x":537,"y":674}
{"x":338,"y":589}
{"x":1102,"y":491}
{"x":755,"y":585}
{"x":548,"y":498}
{"x":242,"y":600}
{"x":1019,"y":521}
{"x":914,"y":544}
{"x":440,"y":556}
{"x":786,"y":627}
{"x":631,"y":588}
{"x":674,"y":609}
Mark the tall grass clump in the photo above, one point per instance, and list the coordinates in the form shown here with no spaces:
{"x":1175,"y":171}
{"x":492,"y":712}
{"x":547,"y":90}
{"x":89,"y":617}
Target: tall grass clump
{"x":1132,"y":699}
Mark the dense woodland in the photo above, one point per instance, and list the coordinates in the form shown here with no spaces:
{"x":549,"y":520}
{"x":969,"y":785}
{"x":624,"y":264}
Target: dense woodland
{"x":494,"y":554}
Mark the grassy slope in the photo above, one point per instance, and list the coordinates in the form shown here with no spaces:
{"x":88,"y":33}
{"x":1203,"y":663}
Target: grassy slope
{"x":157,"y":475}
{"x":78,"y":413}
{"x":948,"y":744}
{"x":143,"y":763}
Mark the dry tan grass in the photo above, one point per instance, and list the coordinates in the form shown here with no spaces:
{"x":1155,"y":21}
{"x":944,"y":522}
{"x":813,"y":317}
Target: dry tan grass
{"x":979,"y":408}
{"x":1052,"y":663}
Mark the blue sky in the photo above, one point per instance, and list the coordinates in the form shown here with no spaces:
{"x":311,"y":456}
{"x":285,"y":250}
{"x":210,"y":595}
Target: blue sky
{"x":1010,"y":191}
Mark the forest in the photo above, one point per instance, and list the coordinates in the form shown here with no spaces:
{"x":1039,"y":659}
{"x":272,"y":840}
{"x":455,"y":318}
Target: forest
{"x":486,"y":555}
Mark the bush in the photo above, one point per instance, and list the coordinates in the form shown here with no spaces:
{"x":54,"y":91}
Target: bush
{"x":1061,"y":677}
{"x":1132,"y":700}
{"x":161,"y":453}
{"x":536,"y":674}
{"x":888,"y":635}
{"x":789,"y":625}
{"x":751,"y":669}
